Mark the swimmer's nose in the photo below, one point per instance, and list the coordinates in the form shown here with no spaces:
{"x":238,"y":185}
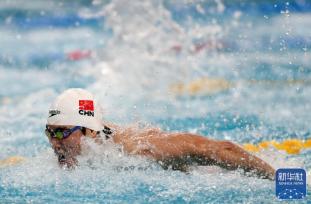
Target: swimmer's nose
{"x":56,"y":145}
{"x":61,"y":153}
{"x":59,"y":150}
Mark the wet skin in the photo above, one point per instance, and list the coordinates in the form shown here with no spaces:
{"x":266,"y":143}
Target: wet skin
{"x":68,"y":148}
{"x":176,"y":149}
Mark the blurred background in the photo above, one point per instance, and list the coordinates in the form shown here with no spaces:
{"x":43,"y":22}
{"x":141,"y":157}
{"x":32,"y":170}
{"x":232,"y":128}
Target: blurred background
{"x":237,"y":70}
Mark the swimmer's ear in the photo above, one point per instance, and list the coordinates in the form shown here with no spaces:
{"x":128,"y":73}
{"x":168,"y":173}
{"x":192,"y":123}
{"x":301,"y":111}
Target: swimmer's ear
{"x":95,"y":132}
{"x":89,"y":133}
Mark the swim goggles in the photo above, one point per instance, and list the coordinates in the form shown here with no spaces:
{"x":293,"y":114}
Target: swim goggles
{"x":60,"y":133}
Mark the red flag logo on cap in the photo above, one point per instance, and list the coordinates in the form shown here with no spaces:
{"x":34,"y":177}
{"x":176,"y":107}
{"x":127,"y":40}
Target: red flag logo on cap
{"x":86,"y":107}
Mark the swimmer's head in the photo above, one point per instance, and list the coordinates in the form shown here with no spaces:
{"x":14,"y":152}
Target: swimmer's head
{"x":76,"y":107}
{"x":66,"y":148}
{"x":74,"y":114}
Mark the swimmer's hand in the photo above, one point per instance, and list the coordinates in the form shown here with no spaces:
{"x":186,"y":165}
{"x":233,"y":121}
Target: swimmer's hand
{"x":14,"y":160}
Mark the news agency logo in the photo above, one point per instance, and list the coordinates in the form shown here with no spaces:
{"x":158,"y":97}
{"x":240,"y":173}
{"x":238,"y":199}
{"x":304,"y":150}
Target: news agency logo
{"x":290,"y":184}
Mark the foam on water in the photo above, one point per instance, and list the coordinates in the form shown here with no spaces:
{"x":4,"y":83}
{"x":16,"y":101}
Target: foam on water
{"x":106,"y":173}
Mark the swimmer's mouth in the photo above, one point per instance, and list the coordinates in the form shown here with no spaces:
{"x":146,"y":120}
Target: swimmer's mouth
{"x":66,"y":160}
{"x":61,"y":159}
{"x":69,"y":162}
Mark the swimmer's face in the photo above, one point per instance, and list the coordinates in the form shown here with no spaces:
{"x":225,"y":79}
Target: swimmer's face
{"x":68,"y":148}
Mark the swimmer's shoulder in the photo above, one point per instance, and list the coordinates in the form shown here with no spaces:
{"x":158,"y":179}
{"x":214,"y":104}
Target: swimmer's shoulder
{"x":132,"y":132}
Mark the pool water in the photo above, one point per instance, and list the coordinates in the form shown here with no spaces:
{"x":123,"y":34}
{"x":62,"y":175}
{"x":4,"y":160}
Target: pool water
{"x":130,"y":56}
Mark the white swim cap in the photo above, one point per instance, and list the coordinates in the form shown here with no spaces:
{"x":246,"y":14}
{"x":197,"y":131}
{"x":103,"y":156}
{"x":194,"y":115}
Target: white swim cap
{"x":76,"y":107}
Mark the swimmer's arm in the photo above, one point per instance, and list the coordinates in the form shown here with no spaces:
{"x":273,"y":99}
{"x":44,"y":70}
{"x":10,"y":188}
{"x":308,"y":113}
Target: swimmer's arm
{"x":231,"y":156}
{"x":223,"y":153}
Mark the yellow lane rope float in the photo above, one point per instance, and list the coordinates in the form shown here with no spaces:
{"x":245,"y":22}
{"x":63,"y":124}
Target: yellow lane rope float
{"x":13,"y":160}
{"x":203,"y":86}
{"x":5,"y":100}
{"x":290,"y":146}
{"x":210,"y":86}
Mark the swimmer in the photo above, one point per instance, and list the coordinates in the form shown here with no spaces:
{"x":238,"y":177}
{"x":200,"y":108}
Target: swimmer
{"x":76,"y":114}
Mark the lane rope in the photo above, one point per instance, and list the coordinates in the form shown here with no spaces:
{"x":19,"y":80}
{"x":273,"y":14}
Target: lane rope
{"x":290,"y":146}
{"x":10,"y":161}
{"x":210,"y":86}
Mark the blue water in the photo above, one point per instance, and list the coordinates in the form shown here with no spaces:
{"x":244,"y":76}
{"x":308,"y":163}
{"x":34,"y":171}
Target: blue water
{"x":131,"y":69}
